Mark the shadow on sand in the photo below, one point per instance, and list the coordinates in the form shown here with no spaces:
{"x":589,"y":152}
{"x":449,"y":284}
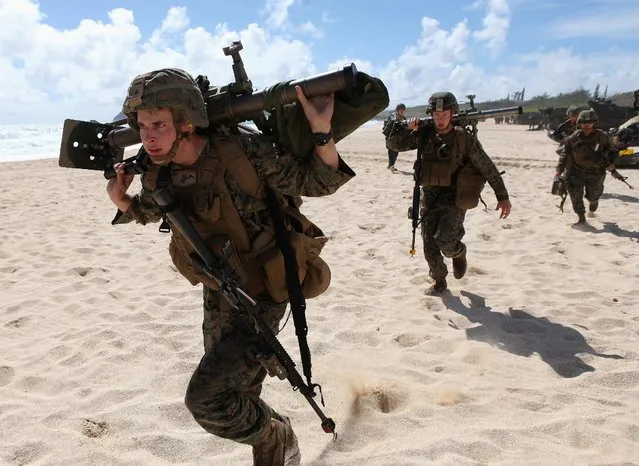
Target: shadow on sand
{"x":621,"y":197}
{"x":523,"y":334}
{"x":608,"y":227}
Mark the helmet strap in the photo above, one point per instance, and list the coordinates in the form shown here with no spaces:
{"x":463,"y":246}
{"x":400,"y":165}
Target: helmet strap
{"x":174,"y":149}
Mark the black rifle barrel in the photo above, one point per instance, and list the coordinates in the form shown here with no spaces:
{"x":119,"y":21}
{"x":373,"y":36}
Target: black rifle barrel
{"x":479,"y":114}
{"x":223,"y":107}
{"x":169,"y":205}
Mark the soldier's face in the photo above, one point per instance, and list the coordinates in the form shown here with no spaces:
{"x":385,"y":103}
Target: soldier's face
{"x":442,"y":119}
{"x":573,"y":119}
{"x":587,"y":127}
{"x":400,"y":112}
{"x":157,"y":131}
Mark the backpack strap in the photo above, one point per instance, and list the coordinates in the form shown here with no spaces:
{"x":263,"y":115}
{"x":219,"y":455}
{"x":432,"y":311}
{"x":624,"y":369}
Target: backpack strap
{"x":163,"y":181}
{"x":239,"y":166}
{"x":235,"y":161}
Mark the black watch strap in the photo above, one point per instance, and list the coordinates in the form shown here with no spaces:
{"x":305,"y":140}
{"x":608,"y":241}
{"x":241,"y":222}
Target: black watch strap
{"x":321,"y":139}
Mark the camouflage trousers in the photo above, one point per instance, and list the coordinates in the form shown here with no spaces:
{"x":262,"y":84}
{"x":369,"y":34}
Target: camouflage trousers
{"x":224,"y":392}
{"x":578,"y":181}
{"x":442,"y":232}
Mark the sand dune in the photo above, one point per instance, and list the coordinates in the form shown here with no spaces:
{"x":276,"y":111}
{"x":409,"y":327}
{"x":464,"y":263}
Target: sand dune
{"x":531,"y":359}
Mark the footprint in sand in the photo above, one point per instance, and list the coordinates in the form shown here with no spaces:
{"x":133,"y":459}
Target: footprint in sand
{"x":93,"y":429}
{"x":407,"y":340}
{"x":378,"y":399}
{"x":371,"y":253}
{"x":6,"y":374}
{"x":82,"y":271}
{"x":372,"y":228}
{"x":17,"y":323}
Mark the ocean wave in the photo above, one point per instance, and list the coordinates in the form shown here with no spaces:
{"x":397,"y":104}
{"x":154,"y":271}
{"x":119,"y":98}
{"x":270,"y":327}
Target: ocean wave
{"x":29,"y":142}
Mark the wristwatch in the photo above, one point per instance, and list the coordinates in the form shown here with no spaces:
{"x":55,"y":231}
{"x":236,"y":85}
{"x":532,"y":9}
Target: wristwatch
{"x":321,"y":139}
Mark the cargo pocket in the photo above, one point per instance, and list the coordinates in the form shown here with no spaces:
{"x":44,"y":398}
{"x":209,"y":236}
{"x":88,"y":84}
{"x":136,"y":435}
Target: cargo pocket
{"x":318,"y":278}
{"x":207,"y":206}
{"x":223,"y":248}
{"x":313,"y":272}
{"x":470,"y":183}
{"x":186,"y":268}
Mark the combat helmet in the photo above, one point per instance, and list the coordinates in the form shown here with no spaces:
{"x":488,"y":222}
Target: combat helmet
{"x":165,"y":88}
{"x":440,"y":101}
{"x":587,"y":116}
{"x":572,"y":111}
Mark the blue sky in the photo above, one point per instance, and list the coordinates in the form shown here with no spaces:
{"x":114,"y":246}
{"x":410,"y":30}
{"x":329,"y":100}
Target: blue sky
{"x":75,"y":58}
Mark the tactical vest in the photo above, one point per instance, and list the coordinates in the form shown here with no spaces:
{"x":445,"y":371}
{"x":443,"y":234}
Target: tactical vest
{"x":584,"y":154}
{"x":439,"y":161}
{"x":209,"y":205}
{"x":450,"y":167}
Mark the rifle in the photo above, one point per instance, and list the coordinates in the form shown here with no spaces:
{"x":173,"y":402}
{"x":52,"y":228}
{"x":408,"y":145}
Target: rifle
{"x":618,"y":176}
{"x":466,"y":118}
{"x":98,"y":146}
{"x":414,"y":211}
{"x":273,"y":356}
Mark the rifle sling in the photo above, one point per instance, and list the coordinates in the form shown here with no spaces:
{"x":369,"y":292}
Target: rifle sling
{"x":163,"y":181}
{"x":296,"y":295}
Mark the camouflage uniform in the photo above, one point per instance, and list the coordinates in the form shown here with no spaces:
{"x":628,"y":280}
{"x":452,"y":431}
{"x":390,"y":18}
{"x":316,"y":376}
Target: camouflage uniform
{"x":392,"y":154}
{"x":442,"y":221}
{"x":224,"y":392}
{"x":561,"y":133}
{"x":585,"y":160}
{"x":565,"y":129}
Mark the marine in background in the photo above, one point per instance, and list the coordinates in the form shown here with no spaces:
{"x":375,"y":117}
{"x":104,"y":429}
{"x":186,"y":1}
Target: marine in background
{"x":588,"y":153}
{"x":569,"y":126}
{"x":397,"y":115}
{"x":452,"y":169}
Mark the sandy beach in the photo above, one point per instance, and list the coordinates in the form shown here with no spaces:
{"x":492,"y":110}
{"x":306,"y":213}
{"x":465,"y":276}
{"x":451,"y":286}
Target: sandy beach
{"x":531,"y":359}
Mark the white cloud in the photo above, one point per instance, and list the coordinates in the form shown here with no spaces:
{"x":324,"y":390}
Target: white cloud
{"x":83,"y":72}
{"x":496,"y":23}
{"x":49,"y":74}
{"x":175,"y":21}
{"x":277,"y":12}
{"x":310,"y":29}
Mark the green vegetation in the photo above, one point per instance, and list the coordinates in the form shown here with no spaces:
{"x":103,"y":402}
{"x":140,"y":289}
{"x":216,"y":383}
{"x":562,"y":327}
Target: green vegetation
{"x":578,"y":97}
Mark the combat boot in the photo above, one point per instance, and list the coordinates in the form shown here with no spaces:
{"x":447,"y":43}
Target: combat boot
{"x":592,"y":207}
{"x":459,"y":266}
{"x":277,"y":445}
{"x":582,"y":219}
{"x":438,"y":287}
